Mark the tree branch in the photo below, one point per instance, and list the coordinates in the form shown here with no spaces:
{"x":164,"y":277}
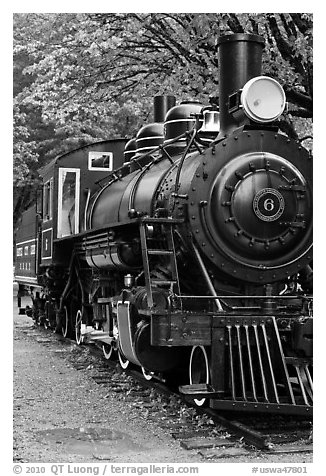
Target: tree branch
{"x":298,"y":98}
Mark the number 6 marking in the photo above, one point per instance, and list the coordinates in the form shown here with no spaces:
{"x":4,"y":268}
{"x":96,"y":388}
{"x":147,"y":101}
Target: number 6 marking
{"x":269,"y":204}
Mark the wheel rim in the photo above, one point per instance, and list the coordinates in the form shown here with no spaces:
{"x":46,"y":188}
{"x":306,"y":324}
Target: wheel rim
{"x":64,"y":327}
{"x":147,"y":374}
{"x":107,"y":351}
{"x":78,"y":327}
{"x":123,"y":361}
{"x":198,"y":369}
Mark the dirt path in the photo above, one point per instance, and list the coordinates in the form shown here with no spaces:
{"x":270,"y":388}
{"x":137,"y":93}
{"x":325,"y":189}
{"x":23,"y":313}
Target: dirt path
{"x":62,"y":415}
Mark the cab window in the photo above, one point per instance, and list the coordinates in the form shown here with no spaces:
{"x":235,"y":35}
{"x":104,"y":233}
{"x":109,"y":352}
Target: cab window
{"x":47,"y":199}
{"x":100,"y":161}
{"x":68,"y":202}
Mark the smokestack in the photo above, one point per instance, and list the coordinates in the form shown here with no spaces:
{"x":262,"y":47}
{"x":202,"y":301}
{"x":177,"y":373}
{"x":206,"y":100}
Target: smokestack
{"x":162,"y":104}
{"x":240,"y":58}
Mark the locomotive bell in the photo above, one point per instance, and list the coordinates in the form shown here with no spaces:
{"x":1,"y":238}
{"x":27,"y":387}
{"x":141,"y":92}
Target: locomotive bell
{"x":211,"y":124}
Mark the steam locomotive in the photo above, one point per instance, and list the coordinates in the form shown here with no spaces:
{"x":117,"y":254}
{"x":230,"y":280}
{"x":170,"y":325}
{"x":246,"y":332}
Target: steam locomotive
{"x":187,"y":250}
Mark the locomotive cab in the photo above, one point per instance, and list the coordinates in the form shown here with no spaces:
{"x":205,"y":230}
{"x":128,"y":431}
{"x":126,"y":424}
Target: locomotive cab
{"x":59,"y":214}
{"x":69,"y":180}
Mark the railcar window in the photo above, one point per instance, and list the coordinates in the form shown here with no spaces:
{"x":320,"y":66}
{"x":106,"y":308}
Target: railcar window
{"x":100,"y":161}
{"x":26,"y":250}
{"x":47,"y":199}
{"x":68,"y":202}
{"x":19,"y":251}
{"x":32,"y":249}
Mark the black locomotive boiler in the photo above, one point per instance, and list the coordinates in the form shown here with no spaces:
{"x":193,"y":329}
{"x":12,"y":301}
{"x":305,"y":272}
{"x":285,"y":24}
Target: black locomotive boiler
{"x":188,"y":250}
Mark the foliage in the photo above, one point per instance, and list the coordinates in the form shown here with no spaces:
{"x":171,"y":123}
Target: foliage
{"x":83,"y":77}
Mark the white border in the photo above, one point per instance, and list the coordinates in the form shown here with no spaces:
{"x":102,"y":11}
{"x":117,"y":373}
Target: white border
{"x":211,"y":468}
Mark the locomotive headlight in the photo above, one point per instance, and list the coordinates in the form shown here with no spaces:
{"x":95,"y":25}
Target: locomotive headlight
{"x":263,"y":99}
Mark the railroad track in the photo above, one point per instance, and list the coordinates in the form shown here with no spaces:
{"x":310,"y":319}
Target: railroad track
{"x":213,"y":435}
